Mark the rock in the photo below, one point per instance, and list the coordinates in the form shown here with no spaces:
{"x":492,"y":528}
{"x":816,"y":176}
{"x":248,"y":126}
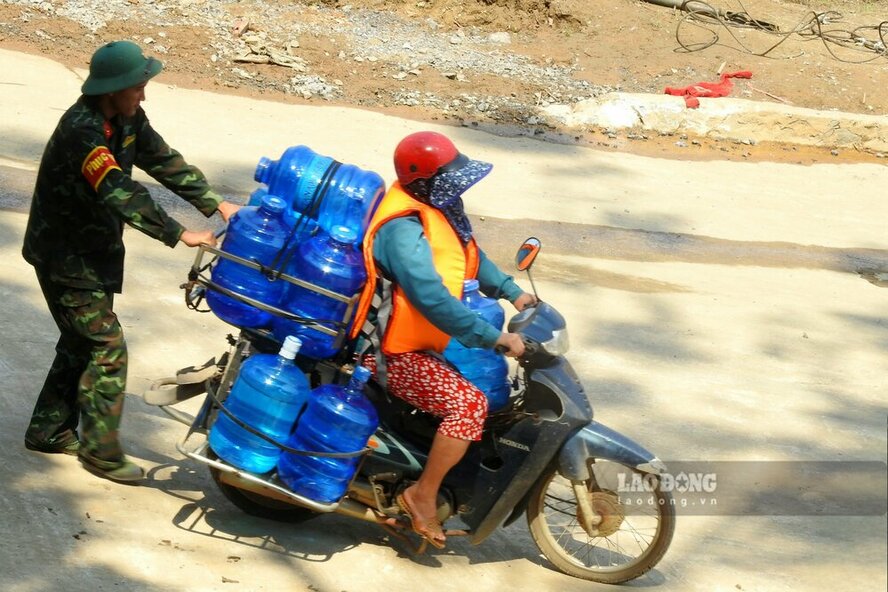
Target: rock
{"x":839,"y":136}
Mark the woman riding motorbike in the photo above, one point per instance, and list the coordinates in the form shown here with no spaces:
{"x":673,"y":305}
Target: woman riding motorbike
{"x":418,"y":250}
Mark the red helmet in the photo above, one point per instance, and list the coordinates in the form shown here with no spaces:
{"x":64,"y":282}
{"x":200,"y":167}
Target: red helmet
{"x":421,"y":155}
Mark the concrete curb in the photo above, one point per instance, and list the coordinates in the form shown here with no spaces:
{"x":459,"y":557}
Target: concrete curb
{"x":728,"y":119}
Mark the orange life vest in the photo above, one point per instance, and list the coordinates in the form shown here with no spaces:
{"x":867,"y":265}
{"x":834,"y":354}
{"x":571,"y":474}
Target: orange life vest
{"x":407,"y":329}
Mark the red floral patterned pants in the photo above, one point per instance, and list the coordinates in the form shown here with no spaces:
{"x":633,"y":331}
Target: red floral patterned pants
{"x":433,"y":386}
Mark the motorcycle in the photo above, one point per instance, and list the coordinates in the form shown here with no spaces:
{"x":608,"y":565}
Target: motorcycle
{"x":542,"y":456}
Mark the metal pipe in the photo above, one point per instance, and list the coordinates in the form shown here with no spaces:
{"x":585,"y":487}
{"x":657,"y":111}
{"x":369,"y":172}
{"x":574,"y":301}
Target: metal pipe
{"x":346,"y":507}
{"x":249,"y":482}
{"x":362,"y":492}
{"x":235,"y":480}
{"x":353,"y":509}
{"x":689,"y":6}
{"x":700,"y":8}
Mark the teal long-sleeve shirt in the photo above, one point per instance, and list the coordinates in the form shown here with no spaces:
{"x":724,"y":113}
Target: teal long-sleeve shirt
{"x":405,"y":256}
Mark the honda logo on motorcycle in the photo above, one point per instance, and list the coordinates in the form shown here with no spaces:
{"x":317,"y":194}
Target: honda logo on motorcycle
{"x":513,"y":444}
{"x":681,"y":483}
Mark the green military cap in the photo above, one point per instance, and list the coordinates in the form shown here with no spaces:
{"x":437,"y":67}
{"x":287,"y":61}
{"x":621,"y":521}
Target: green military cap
{"x":118,"y":65}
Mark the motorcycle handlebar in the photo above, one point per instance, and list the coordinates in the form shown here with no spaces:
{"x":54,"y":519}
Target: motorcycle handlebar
{"x":529,"y":348}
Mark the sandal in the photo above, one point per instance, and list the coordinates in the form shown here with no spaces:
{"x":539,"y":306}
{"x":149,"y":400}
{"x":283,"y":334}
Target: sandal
{"x":432,"y":530}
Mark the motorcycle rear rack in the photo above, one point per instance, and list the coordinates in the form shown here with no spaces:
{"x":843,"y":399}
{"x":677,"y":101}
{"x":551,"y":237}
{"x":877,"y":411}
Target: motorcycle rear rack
{"x":199,"y":282}
{"x":199,"y":453}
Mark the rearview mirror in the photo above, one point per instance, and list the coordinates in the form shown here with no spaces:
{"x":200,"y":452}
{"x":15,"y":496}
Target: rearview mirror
{"x":527,"y":252}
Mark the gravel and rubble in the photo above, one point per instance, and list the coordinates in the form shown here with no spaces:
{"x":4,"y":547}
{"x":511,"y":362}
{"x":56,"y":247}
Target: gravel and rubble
{"x":404,"y":49}
{"x":527,"y":67}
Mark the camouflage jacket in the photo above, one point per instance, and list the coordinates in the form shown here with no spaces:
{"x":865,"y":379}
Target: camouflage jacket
{"x":85,"y":193}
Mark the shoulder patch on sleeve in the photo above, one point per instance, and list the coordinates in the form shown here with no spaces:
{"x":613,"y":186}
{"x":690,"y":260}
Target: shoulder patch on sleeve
{"x":97,"y":164}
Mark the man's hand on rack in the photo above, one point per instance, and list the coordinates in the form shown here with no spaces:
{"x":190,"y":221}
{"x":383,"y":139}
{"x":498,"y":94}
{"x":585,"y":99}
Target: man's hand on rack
{"x":193,"y":238}
{"x":227,"y":209}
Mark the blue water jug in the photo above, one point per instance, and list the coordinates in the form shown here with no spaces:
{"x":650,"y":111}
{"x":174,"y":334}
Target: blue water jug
{"x":304,"y":225}
{"x":351,"y":200}
{"x":331,"y":262}
{"x":337,"y":419}
{"x":485,"y":368}
{"x":268,"y":395}
{"x":255,"y":233}
{"x":325,"y":190}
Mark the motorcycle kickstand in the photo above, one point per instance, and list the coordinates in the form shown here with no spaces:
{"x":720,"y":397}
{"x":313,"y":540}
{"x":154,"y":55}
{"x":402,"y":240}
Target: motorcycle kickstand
{"x":393,"y":526}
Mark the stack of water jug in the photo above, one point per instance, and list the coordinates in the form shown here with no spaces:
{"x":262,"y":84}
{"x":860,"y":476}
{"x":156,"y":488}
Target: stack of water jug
{"x":308,"y":222}
{"x":272,"y":396}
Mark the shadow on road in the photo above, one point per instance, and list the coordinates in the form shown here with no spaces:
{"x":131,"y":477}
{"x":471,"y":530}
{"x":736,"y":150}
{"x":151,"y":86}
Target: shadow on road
{"x":661,"y":355}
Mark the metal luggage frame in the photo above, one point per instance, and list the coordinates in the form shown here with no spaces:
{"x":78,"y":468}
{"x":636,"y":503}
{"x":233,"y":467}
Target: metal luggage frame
{"x":198,"y":283}
{"x":198,"y":277}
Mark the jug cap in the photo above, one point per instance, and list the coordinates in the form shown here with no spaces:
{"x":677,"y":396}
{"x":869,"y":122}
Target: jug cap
{"x":273,"y":203}
{"x":290,"y":347}
{"x":344,"y":234}
{"x":361,"y":373}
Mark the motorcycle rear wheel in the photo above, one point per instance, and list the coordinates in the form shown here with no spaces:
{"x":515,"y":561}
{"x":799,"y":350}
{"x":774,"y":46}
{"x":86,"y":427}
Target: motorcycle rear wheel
{"x":258,"y":505}
{"x":634,"y":533}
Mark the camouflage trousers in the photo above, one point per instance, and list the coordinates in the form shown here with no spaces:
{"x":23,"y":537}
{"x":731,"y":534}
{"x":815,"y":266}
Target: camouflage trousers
{"x":85,"y":384}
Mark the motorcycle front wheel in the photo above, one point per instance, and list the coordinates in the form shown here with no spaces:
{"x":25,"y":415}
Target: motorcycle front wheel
{"x":632,"y":532}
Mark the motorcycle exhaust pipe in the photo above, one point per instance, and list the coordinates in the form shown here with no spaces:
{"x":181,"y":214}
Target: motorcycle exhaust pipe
{"x":362,"y":492}
{"x":361,"y":503}
{"x":352,"y":509}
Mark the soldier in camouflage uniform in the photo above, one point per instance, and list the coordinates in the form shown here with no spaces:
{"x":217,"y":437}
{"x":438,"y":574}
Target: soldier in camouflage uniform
{"x":74,"y":239}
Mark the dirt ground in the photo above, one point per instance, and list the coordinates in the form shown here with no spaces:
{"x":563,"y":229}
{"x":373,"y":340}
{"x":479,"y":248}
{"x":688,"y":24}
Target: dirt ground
{"x":579,"y":48}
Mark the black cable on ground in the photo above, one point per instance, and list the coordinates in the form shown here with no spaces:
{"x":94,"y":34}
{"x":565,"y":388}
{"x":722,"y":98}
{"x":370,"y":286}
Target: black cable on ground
{"x":812,"y":27}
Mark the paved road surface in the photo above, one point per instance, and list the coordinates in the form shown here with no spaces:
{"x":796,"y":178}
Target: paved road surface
{"x":717,"y":313}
